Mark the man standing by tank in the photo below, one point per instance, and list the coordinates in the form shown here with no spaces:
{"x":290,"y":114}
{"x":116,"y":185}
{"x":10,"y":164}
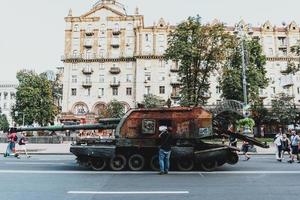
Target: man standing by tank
{"x":165,"y":149}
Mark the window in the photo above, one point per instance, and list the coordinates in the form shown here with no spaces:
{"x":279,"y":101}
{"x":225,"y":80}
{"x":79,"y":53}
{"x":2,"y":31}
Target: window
{"x":270,"y":51}
{"x":273,"y":90}
{"x":298,"y":90}
{"x":269,"y":40}
{"x":161,"y":89}
{"x":74,"y":67}
{"x":5,"y":106}
{"x":147,"y":76}
{"x":161,"y":38}
{"x":101,"y":66}
{"x":103,"y":28}
{"x":101,"y":53}
{"x":129,"y":91}
{"x":74,"y":78}
{"x":76,"y":41}
{"x":73,"y":92}
{"x":5,"y":95}
{"x":101,"y":78}
{"x":161,"y":49}
{"x":147,"y":89}
{"x":147,"y":37}
{"x":218,"y":90}
{"x":128,"y":65}
{"x":101,"y":92}
{"x":129,"y":78}
{"x":116,"y":27}
{"x":129,"y":26}
{"x":162,"y":76}
{"x":89,"y":28}
{"x":75,"y":53}
{"x":88,"y":92}
{"x":76,"y":28}
{"x":115,"y":91}
{"x":161,"y":63}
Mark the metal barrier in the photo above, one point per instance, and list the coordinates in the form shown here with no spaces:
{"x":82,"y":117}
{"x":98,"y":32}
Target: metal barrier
{"x":44,"y":139}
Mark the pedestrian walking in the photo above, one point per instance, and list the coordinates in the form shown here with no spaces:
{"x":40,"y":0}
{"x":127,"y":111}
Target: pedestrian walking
{"x":286,"y":145}
{"x":278,"y":145}
{"x":279,"y":134}
{"x":232,"y":140}
{"x":12,"y":139}
{"x":245,"y":149}
{"x":294,"y":145}
{"x":22,"y":144}
{"x":165,"y":149}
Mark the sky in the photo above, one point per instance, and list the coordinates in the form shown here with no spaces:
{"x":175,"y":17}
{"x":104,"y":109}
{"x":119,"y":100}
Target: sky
{"x":32,"y":31}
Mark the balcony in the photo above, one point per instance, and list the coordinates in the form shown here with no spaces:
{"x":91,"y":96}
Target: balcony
{"x":116,"y":32}
{"x":87,"y":70}
{"x":175,"y":82}
{"x":88,"y":44}
{"x":174,"y":69}
{"x":115,"y":84}
{"x":114,"y":70}
{"x":87,"y":84}
{"x":89,"y":32}
{"x":289,"y":96}
{"x":115,"y":45}
{"x":263,"y":95}
{"x":175,"y":96}
{"x":286,"y":81}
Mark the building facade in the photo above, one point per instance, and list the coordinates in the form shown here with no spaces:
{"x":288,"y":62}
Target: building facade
{"x":112,"y":55}
{"x":7,"y":99}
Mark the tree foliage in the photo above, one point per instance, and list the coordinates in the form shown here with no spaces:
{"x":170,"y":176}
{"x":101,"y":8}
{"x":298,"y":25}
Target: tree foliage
{"x":152,"y":101}
{"x":283,"y":111}
{"x":199,"y":49}
{"x":4,"y":125}
{"x":231,"y":81}
{"x":34,"y":100}
{"x":114,"y":109}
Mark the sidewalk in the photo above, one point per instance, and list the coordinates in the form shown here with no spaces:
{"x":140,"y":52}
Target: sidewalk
{"x":64,"y":148}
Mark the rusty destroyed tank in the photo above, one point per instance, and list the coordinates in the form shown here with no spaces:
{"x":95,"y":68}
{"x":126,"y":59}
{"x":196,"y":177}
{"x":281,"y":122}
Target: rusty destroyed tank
{"x":134,"y":143}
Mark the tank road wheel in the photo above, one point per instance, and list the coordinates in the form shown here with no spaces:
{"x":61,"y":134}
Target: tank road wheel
{"x":118,"y":162}
{"x":209,"y":165}
{"x":98,"y":164}
{"x":154,"y":163}
{"x":233,"y":159}
{"x":185,"y":164}
{"x":136,"y":162}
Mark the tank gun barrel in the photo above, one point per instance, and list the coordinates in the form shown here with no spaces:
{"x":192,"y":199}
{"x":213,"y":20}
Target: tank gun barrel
{"x":103,"y":124}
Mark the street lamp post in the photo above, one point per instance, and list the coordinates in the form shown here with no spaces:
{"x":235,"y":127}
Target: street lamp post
{"x":240,"y":32}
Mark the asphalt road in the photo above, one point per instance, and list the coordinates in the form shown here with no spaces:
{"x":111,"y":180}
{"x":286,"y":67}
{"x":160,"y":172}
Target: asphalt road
{"x":60,"y":178}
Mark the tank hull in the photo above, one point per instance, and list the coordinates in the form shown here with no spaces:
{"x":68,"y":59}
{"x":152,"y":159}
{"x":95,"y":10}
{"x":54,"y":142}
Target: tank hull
{"x":185,"y":158}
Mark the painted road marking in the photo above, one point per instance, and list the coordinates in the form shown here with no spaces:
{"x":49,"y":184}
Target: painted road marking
{"x":128,"y":192}
{"x":142,"y":173}
{"x":34,"y":163}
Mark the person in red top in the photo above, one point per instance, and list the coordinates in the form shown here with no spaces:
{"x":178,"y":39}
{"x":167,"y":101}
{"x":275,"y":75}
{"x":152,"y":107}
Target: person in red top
{"x":12,"y":139}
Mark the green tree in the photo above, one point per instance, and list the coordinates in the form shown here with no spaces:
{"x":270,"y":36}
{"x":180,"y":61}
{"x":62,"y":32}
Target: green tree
{"x":114,"y":109}
{"x":199,"y":49}
{"x":34,"y":100}
{"x":4,"y":125}
{"x":231,"y":80}
{"x":152,"y":101}
{"x":283,"y":111}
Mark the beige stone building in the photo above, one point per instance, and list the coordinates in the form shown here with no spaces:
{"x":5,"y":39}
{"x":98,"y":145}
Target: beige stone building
{"x":7,"y":99}
{"x":110,"y":54}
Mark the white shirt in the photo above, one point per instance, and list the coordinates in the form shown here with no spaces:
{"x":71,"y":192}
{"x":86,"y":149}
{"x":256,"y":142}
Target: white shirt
{"x":278,"y":140}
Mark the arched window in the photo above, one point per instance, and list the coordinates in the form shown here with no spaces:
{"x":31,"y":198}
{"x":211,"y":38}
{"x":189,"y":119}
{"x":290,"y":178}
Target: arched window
{"x":76,"y":28}
{"x":129,"y":26}
{"x":116,"y":27}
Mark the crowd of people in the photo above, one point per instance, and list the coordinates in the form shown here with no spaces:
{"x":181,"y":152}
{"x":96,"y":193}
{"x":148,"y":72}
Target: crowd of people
{"x":287,"y":145}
